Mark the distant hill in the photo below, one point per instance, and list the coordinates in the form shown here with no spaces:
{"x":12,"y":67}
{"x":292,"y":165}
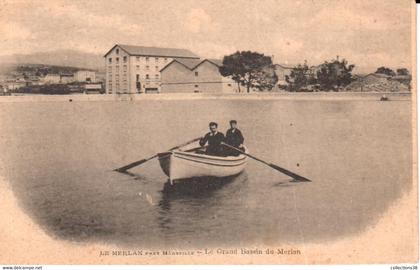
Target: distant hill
{"x":69,"y":58}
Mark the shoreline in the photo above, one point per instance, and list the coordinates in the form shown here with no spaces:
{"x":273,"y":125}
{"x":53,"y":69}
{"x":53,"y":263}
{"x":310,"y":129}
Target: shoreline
{"x":204,"y":96}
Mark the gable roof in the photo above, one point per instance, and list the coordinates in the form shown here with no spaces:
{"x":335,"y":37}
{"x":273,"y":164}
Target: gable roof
{"x":188,"y":63}
{"x":217,"y":62}
{"x":192,"y":64}
{"x":154,"y":51}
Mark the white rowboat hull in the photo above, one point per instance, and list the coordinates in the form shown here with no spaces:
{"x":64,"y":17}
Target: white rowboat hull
{"x":179,"y":165}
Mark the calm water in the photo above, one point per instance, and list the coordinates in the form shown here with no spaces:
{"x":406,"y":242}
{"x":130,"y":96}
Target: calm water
{"x":59,"y":156}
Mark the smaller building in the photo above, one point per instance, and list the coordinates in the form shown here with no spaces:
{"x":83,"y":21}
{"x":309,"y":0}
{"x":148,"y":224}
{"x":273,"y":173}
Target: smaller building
{"x":66,"y":78}
{"x":85,"y":76}
{"x":51,"y":79}
{"x":283,"y":73}
{"x":34,"y":80}
{"x":14,"y":85}
{"x":93,"y":88}
{"x":195,"y":76}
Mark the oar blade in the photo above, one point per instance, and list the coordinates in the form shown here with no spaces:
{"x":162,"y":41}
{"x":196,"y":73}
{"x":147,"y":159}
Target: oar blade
{"x":139,"y":162}
{"x":289,"y":173}
{"x":131,"y":165}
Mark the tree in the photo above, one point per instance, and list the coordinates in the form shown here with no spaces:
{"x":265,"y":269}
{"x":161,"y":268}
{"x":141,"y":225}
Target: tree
{"x":250,"y":69}
{"x":385,"y":70}
{"x":403,"y":72}
{"x":300,"y":77}
{"x":334,"y":74}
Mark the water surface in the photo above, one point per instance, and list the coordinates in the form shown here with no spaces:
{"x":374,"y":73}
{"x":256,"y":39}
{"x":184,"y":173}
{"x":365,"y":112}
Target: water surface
{"x":59,"y":157}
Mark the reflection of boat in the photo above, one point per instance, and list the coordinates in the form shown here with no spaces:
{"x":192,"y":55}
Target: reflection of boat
{"x":184,"y":165}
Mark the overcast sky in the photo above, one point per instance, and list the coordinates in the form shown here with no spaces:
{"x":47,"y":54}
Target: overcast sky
{"x":367,"y":33}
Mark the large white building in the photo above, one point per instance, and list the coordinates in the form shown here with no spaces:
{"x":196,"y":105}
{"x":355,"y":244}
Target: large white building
{"x":136,"y":69}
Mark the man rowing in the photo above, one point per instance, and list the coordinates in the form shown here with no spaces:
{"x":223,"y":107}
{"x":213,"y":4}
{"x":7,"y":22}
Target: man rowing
{"x":234,"y":138}
{"x":214,"y":141}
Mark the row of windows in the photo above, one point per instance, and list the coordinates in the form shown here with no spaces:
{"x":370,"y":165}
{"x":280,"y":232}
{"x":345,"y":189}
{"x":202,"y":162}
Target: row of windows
{"x":117,"y":68}
{"x":148,"y":67}
{"x":117,"y":59}
{"x":156,"y":59}
{"x":117,"y":77}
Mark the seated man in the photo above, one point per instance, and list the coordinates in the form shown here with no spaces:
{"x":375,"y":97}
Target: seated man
{"x":234,"y":138}
{"x":214,"y":141}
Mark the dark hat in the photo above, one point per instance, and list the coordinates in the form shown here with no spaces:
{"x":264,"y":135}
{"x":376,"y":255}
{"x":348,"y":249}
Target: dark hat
{"x":233,"y":121}
{"x":213,"y":124}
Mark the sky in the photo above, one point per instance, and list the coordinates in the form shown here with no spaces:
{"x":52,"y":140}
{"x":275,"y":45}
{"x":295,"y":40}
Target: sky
{"x":368,"y":34}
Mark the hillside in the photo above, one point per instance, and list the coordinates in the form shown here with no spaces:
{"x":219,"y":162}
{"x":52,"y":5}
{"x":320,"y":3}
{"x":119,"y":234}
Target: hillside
{"x":63,"y":58}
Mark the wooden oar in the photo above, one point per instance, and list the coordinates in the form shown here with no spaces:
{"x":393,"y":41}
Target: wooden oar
{"x":274,"y":166}
{"x":139,"y":162}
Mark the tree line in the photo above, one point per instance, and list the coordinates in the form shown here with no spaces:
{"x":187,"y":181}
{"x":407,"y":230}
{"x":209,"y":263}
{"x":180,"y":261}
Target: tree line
{"x":255,"y":71}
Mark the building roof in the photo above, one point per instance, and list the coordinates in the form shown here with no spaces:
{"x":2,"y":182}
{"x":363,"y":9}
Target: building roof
{"x":192,"y":64}
{"x":189,"y":63}
{"x":217,"y":62}
{"x":154,"y":51}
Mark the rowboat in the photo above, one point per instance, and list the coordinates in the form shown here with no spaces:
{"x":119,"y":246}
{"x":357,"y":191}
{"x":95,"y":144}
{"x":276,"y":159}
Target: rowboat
{"x":183,"y":165}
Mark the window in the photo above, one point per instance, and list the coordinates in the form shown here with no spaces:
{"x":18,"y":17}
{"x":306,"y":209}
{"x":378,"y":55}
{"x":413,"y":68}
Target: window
{"x":157,"y":76}
{"x":110,"y":77}
{"x":125,"y":68}
{"x":156,"y":68}
{"x":137,"y":77}
{"x":117,"y":69}
{"x":229,"y":85}
{"x":125,"y":59}
{"x":110,"y":60}
{"x":117,"y":60}
{"x":165,"y":59}
{"x":138,"y":58}
{"x":156,"y":59}
{"x":196,"y":73}
{"x":196,"y":86}
{"x":147,"y":59}
{"x":117,"y":51}
{"x":137,"y":67}
{"x":147,"y":76}
{"x":147,"y":67}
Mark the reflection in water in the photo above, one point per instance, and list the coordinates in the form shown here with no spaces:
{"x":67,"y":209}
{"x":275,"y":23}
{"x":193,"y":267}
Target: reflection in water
{"x":134,"y":175}
{"x":290,"y":183}
{"x":194,"y":195}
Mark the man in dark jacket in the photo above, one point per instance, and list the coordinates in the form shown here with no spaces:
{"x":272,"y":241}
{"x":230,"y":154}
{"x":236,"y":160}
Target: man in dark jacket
{"x":234,"y":138}
{"x":214,"y":141}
